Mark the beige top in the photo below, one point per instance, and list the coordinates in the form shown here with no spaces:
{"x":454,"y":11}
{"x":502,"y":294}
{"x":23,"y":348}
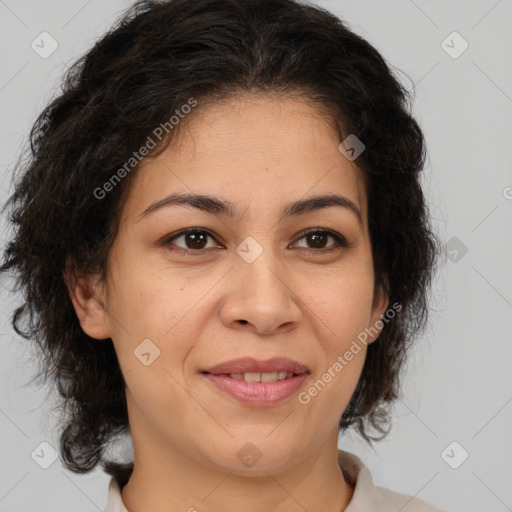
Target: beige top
{"x":367,"y":497}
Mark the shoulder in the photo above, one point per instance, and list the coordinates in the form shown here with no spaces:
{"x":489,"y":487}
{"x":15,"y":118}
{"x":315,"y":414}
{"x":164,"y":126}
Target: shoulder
{"x":390,"y":500}
{"x":369,"y":497}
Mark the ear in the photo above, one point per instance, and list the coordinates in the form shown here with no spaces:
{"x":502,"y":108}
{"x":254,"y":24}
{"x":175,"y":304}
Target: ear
{"x":87,"y":293}
{"x":380,"y":305}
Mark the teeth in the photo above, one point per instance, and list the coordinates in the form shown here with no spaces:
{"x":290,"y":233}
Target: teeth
{"x":261,"y":377}
{"x":252,"y":377}
{"x":269,"y":377}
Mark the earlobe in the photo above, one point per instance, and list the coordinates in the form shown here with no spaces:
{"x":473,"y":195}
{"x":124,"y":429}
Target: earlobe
{"x":87,"y":295}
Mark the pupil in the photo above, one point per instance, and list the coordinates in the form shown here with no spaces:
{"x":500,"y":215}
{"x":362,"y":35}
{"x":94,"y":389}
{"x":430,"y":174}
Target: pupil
{"x":198,"y":240}
{"x":317,"y":239}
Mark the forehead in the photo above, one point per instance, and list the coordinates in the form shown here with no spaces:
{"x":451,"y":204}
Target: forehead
{"x":257,"y":152}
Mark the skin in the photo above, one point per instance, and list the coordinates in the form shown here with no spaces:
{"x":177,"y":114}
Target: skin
{"x":259,"y":153}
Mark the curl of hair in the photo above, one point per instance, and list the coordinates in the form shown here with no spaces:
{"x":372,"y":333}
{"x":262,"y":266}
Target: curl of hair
{"x":153,"y":60}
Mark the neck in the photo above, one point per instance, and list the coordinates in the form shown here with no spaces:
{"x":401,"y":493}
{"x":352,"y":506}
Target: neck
{"x":171,"y":479}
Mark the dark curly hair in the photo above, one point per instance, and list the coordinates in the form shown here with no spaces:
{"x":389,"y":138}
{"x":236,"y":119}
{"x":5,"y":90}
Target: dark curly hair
{"x":153,"y":60}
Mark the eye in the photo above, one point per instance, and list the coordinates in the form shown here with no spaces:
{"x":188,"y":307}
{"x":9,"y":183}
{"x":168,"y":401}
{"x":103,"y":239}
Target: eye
{"x":318,"y":239}
{"x":195,"y":240}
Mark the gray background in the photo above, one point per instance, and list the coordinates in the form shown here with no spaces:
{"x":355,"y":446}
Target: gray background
{"x":458,"y":382}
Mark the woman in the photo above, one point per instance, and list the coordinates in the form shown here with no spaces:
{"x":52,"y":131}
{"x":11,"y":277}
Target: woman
{"x":225,"y":252}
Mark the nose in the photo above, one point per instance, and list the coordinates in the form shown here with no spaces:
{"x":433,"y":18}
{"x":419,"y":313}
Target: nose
{"x":261,"y":297}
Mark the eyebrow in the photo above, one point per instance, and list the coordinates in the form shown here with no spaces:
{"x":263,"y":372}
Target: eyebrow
{"x":218,"y":206}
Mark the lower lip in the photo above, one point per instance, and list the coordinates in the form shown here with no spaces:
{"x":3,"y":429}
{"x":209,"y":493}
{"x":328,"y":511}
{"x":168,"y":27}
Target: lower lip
{"x":257,"y":393}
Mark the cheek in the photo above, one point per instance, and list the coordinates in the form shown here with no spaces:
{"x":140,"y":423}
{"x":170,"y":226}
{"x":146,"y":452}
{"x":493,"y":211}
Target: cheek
{"x":329,"y":394}
{"x":341,"y":313}
{"x":343,"y":304}
{"x":152,"y":299}
{"x":142,"y":306}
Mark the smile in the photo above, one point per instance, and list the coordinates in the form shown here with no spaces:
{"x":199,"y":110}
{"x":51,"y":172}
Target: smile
{"x":255,"y":388}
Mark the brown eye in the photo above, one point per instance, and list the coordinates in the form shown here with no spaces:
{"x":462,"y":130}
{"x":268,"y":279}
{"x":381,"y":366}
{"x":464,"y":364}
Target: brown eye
{"x":195,"y":240}
{"x":192,"y":240}
{"x":317,"y":241}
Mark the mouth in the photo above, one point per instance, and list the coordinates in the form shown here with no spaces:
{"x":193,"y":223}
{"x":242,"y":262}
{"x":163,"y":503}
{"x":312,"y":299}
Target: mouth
{"x":249,"y":365}
{"x":260,"y":377}
{"x":258,"y":382}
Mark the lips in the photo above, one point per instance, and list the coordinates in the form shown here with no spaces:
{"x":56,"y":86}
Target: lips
{"x":250,"y":365}
{"x":258,"y":383}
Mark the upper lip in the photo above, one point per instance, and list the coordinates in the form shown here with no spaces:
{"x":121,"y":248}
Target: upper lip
{"x":248,"y":364}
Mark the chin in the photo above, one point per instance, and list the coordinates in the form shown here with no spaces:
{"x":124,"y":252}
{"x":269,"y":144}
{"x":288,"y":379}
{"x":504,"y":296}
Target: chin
{"x":256,"y":455}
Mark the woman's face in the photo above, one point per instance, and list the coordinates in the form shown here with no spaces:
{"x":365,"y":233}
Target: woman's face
{"x":255,"y":286}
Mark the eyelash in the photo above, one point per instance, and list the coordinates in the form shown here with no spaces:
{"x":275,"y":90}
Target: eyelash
{"x":341,"y":241}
